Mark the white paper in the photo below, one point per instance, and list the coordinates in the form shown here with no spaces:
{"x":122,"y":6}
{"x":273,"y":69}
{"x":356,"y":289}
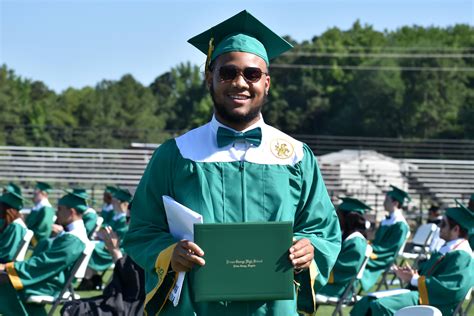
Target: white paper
{"x":181,"y":222}
{"x":386,"y":293}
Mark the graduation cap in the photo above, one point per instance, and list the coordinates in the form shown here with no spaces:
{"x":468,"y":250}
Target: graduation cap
{"x":398,"y":194}
{"x":74,"y":200}
{"x":123,"y":195}
{"x":43,"y":186}
{"x":12,"y":187}
{"x":240,"y":33}
{"x":82,"y":192}
{"x":110,"y":189}
{"x":461,"y":215}
{"x":472,"y":197}
{"x":12,"y":196}
{"x":353,"y":205}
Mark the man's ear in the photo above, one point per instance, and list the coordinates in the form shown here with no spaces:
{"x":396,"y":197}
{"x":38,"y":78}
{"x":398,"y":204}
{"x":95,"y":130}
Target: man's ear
{"x":267,"y":84}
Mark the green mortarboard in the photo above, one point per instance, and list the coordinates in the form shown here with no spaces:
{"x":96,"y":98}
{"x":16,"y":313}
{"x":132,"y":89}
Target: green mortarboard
{"x":353,"y":205}
{"x":13,"y":197}
{"x":12,"y":187}
{"x":77,"y":201}
{"x":110,"y":189}
{"x":472,"y":197}
{"x":123,"y":195}
{"x":398,"y":194}
{"x":461,"y":215}
{"x":81,"y":192}
{"x":240,"y":33}
{"x":43,"y":186}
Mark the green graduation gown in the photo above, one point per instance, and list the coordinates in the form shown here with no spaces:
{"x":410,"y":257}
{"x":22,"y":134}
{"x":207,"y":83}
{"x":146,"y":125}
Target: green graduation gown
{"x":276,"y":181}
{"x":45,"y":273}
{"x":40,"y":221}
{"x":101,"y":259}
{"x":10,"y":240}
{"x":107,"y":214}
{"x":347,"y":265}
{"x":90,"y":221}
{"x":389,"y":238}
{"x":444,"y":281}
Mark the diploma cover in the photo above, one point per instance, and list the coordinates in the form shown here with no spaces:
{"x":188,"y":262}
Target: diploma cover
{"x":244,"y":261}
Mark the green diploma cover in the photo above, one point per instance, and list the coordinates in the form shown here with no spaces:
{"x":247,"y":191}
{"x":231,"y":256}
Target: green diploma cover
{"x":244,"y":261}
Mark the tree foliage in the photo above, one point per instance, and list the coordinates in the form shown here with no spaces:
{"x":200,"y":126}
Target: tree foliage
{"x":414,"y":82}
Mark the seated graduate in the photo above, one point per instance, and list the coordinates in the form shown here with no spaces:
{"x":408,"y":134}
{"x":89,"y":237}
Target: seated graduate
{"x":12,"y":229}
{"x":353,"y":227}
{"x":46,"y":272}
{"x":107,"y":211}
{"x":101,"y":259}
{"x":389,"y":238}
{"x":443,"y":281}
{"x":41,"y":217}
{"x":434,"y":215}
{"x":124,"y":295}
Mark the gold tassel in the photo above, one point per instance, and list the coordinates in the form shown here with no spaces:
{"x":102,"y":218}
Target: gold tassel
{"x":209,"y":53}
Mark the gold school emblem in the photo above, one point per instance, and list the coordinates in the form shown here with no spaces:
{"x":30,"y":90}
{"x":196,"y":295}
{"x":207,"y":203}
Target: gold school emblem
{"x":281,"y":148}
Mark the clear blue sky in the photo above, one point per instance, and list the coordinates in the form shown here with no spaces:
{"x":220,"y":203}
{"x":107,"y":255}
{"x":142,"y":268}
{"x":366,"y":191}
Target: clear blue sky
{"x":74,"y":43}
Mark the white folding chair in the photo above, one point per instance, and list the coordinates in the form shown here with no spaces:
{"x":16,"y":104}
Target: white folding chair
{"x":349,"y":296}
{"x":420,"y":244}
{"x":419,"y":310}
{"x":25,"y":242}
{"x":67,"y":293}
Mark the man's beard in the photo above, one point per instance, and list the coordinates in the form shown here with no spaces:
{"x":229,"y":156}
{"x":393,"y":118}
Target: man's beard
{"x":230,"y":117}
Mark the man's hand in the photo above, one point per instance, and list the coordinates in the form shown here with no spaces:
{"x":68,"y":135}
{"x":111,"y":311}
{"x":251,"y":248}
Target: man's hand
{"x":112,"y":242}
{"x":405,"y":273}
{"x":56,"y":229}
{"x":301,"y":254}
{"x":2,"y":267}
{"x":185,"y":255}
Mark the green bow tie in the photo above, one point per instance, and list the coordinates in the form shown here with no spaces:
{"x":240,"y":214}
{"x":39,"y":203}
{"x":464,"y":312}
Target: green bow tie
{"x":226,"y":136}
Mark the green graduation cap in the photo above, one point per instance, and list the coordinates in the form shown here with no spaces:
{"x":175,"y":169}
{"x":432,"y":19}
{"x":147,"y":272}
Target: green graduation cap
{"x":110,"y":189}
{"x":461,"y":215}
{"x":353,"y":205}
{"x":472,"y":197}
{"x":12,"y":196}
{"x":398,"y":194}
{"x":81,"y":192}
{"x":240,"y":33}
{"x":43,"y":186}
{"x":74,"y":200}
{"x":123,"y":195}
{"x":12,"y":187}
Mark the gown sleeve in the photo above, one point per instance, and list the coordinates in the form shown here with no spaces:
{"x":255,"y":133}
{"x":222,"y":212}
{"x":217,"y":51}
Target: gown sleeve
{"x":10,"y":241}
{"x":148,"y":240}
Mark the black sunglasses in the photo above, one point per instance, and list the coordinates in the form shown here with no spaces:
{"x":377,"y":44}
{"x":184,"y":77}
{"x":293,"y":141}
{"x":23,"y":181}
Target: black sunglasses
{"x":250,"y":74}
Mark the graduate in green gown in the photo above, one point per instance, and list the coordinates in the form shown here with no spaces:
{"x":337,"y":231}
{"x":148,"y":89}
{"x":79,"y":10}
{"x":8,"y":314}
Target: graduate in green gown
{"x":13,"y":228}
{"x":101,"y":258}
{"x":46,"y":272}
{"x":107,"y":212}
{"x":443,"y":281}
{"x":41,"y":217}
{"x":235,"y":168}
{"x":389,"y":238}
{"x":353,"y":225}
{"x":90,"y":215}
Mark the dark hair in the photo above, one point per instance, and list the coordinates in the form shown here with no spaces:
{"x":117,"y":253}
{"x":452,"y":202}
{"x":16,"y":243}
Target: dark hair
{"x":352,"y":222}
{"x":462,"y":231}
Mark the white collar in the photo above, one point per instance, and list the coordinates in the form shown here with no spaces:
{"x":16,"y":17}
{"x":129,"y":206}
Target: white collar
{"x":107,"y":207}
{"x":118,"y":216}
{"x":456,"y":244}
{"x":44,"y":202}
{"x":90,"y":210}
{"x":20,"y":222}
{"x":78,"y":229}
{"x":395,"y":217}
{"x":355,"y":235}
